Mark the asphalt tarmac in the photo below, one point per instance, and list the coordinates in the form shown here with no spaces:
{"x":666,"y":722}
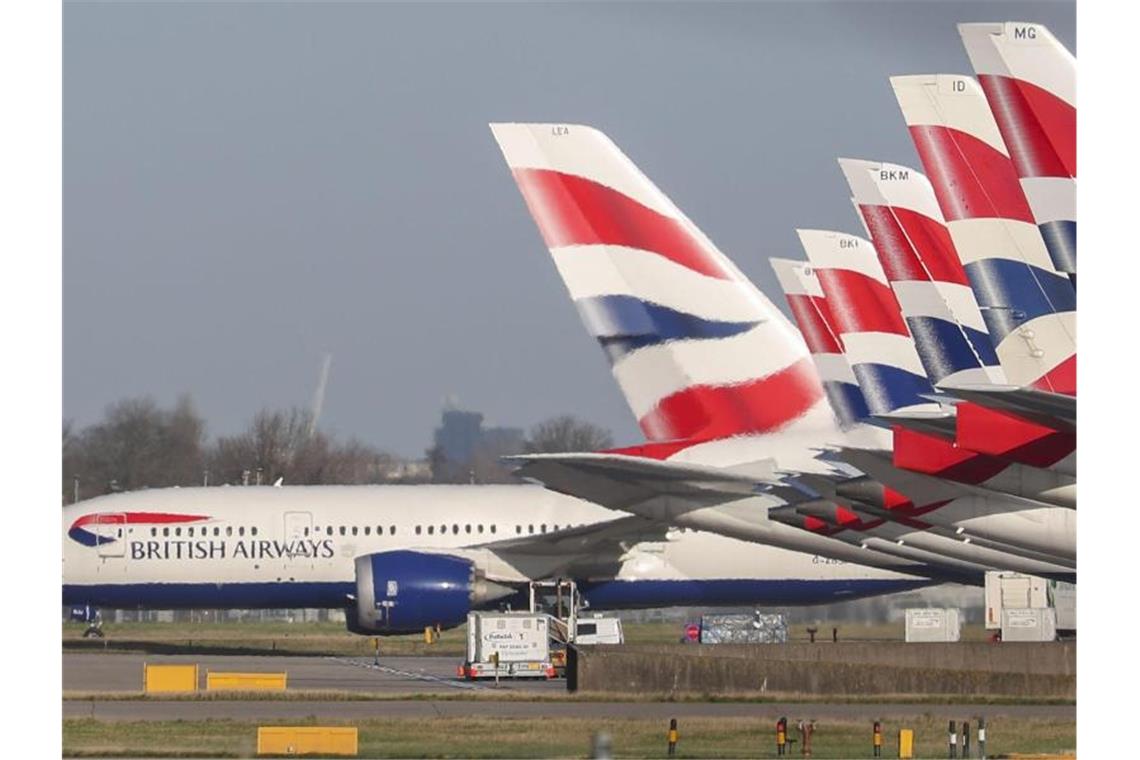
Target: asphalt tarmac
{"x":123,"y":673}
{"x":90,"y":672}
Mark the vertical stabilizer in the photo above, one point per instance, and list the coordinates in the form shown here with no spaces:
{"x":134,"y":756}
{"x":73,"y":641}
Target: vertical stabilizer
{"x":699,"y":353}
{"x":1029,"y":307}
{"x":1030,"y":81}
{"x":898,"y":208}
{"x":869,"y":322}
{"x":809,"y":308}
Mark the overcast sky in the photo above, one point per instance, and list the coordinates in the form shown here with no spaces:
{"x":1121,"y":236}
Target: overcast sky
{"x":249,"y":186}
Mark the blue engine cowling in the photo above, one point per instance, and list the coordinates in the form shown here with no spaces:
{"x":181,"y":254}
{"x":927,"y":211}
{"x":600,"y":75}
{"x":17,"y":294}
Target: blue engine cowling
{"x":407,"y":591}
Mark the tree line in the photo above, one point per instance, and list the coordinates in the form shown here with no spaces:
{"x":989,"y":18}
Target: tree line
{"x":138,"y":444}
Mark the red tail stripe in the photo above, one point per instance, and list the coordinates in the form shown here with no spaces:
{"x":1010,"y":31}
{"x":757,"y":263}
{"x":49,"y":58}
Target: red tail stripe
{"x":810,"y":315}
{"x":572,"y":210}
{"x":911,"y":244}
{"x":1039,"y":129}
{"x":858,"y":303}
{"x":988,"y":431}
{"x":971,"y":179}
{"x":1060,"y":379}
{"x":764,"y":405}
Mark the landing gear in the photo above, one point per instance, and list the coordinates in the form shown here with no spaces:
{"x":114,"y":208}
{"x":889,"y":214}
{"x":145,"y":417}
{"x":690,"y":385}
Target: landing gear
{"x":94,"y":631}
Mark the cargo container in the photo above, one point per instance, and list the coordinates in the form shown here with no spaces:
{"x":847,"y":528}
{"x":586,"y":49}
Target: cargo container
{"x":1032,"y":624}
{"x":508,"y":645}
{"x":743,"y":628}
{"x":927,"y":624}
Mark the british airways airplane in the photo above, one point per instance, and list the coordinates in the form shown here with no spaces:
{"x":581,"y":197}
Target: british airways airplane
{"x":399,"y":558}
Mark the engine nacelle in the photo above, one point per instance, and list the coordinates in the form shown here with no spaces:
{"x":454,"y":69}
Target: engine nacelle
{"x":407,"y":591}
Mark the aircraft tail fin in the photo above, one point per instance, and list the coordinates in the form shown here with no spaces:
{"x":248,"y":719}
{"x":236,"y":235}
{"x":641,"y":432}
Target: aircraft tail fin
{"x":698,"y":351}
{"x":1029,"y":307}
{"x":898,"y":208}
{"x":869,"y":321}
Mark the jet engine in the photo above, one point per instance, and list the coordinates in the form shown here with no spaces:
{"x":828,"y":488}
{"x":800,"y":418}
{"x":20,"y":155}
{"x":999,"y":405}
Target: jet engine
{"x":407,"y":591}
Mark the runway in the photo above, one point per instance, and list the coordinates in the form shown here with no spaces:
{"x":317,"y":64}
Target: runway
{"x":121,"y":674}
{"x":89,"y":672}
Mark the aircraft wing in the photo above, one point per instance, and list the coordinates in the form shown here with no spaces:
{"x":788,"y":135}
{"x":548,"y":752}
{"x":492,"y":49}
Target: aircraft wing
{"x":1055,"y":410}
{"x":618,"y":481}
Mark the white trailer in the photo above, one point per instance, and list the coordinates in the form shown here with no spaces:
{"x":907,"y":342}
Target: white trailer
{"x":508,"y":645}
{"x":1017,"y":591}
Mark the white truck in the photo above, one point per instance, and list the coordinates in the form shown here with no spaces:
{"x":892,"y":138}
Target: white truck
{"x":508,"y":645}
{"x":1017,"y":591}
{"x":598,"y":630}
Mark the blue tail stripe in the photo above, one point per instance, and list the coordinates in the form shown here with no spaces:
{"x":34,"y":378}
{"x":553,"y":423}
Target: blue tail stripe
{"x":1061,"y":241}
{"x":946,"y":347}
{"x":888,"y":388}
{"x":1012,"y":293}
{"x":847,"y":401}
{"x":623,"y":324}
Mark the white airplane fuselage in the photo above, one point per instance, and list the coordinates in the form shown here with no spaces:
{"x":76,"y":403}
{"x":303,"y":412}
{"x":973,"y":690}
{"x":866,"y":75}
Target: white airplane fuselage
{"x":295,"y":546}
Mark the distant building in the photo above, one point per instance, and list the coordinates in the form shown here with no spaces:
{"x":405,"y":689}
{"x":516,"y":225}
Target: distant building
{"x":459,"y":435}
{"x":463,"y":450}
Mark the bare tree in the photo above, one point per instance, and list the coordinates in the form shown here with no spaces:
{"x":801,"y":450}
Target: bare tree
{"x":136,"y":445}
{"x":284,"y":444}
{"x":567,"y":433}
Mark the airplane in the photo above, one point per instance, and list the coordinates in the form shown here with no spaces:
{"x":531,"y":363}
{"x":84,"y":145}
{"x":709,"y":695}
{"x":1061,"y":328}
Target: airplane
{"x":398,"y":558}
{"x":689,"y":338}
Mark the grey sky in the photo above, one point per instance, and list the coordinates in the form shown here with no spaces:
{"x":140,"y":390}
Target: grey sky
{"x":249,"y":186}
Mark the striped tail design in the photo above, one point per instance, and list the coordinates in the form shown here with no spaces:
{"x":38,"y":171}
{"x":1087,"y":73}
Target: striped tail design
{"x":699,"y":353}
{"x":898,"y":207}
{"x":809,"y":307}
{"x":868,"y":320}
{"x":1029,"y":307}
{"x":1030,"y":81}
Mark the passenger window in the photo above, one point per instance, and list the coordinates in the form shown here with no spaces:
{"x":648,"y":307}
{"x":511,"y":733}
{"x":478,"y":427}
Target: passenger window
{"x":328,"y":531}
{"x":431,"y":530}
{"x":442,"y":529}
{"x":190,"y":531}
{"x":241,"y":530}
{"x":253,"y":531}
{"x":379,"y":530}
{"x":342,"y":530}
{"x":217,"y":531}
{"x":530,"y":529}
{"x":178,"y":531}
{"x":306,"y":532}
{"x":555,"y":528}
{"x":480,"y":528}
{"x":368,"y":530}
{"x":354,"y":530}
{"x":417,"y":530}
{"x":229,"y":530}
{"x":492,"y":528}
{"x":166,"y":531}
{"x":543,"y":526}
{"x":518,"y":528}
{"x":391,"y":530}
{"x":154,"y":531}
{"x":455,"y":529}
{"x":468,"y":527}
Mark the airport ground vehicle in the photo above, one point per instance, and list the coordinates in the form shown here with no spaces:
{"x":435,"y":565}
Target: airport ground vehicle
{"x":599,"y":630}
{"x":1017,"y":591}
{"x":508,"y":645}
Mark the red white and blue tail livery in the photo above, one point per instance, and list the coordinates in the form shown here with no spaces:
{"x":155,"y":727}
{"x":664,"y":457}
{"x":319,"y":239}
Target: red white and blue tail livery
{"x":699,"y":353}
